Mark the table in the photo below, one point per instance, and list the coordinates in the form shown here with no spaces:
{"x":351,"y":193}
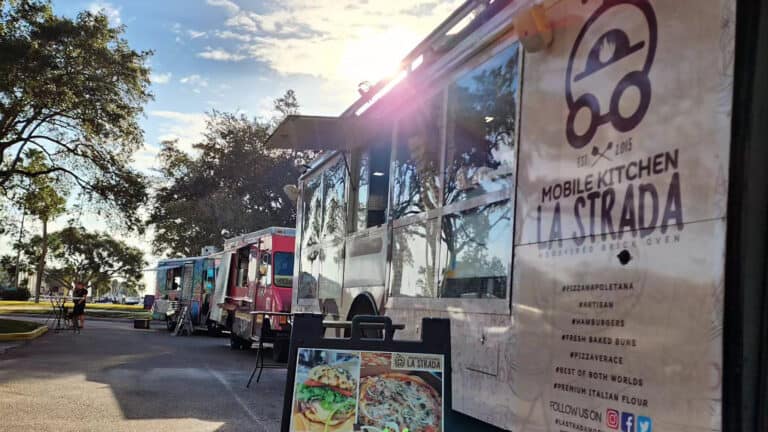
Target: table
{"x":59,"y":313}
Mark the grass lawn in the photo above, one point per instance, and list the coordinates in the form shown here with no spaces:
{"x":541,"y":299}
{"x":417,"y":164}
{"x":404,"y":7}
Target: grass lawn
{"x":14,"y":326}
{"x":47,"y":305}
{"x":102,"y":310}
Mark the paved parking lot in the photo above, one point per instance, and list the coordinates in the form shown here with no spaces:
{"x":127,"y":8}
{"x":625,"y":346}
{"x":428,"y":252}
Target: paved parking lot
{"x":112,"y":377}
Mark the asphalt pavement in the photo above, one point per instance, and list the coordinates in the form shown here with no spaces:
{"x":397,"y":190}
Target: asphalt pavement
{"x":111,"y":377}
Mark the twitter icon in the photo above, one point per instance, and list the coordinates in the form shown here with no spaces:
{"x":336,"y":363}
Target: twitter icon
{"x":644,"y":424}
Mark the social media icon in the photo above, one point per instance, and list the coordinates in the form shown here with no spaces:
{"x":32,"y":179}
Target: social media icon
{"x":612,"y":418}
{"x":627,"y":422}
{"x":644,"y":424}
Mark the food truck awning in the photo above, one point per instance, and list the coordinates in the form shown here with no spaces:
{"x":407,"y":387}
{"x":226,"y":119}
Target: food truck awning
{"x":305,"y":132}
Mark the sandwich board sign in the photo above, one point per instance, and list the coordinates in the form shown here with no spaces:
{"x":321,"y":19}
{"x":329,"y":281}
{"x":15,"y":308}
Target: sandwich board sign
{"x":350,"y":384}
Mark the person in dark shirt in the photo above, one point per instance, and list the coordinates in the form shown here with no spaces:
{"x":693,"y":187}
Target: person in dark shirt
{"x":79,"y":296}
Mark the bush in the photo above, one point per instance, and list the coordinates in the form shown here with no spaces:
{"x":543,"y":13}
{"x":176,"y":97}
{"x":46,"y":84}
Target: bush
{"x":15,"y":294}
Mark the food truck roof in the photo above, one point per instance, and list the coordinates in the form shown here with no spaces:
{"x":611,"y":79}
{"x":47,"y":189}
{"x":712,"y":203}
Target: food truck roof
{"x":242,"y":240}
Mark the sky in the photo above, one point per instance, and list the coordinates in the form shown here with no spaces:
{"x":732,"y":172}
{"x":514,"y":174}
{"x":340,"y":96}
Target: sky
{"x":239,"y":55}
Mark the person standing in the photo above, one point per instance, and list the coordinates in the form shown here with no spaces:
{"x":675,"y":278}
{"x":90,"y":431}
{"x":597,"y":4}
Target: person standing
{"x":79,"y":297}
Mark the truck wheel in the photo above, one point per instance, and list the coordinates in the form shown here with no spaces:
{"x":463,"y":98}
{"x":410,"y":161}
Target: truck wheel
{"x":280,"y":351}
{"x":170,"y":325}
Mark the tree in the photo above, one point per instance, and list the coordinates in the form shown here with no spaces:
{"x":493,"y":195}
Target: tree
{"x":74,"y":90}
{"x":234,"y":185}
{"x":44,"y":199}
{"x":91,"y":257}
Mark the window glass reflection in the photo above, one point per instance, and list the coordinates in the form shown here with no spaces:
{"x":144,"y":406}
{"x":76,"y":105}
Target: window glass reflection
{"x":334,"y":210}
{"x":312,"y":209}
{"x":413,"y":260}
{"x":476,"y":252}
{"x":330,"y":278}
{"x":364,"y":179}
{"x":416,"y":180}
{"x":283,"y":269}
{"x":310,"y":269}
{"x":482,"y":112}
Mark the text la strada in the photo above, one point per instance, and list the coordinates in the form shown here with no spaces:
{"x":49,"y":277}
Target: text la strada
{"x":599,"y":209}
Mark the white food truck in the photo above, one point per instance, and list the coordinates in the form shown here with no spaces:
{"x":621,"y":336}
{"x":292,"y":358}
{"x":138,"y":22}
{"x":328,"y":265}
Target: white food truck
{"x":579,"y":185}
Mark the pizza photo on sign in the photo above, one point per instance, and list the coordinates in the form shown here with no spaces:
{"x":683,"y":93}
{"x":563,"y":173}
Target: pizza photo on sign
{"x":325,"y":392}
{"x":393,"y":398}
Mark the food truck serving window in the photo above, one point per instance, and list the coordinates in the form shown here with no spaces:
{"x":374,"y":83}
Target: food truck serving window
{"x":283,"y":269}
{"x":373,"y":181}
{"x":475,"y":254}
{"x":482,"y":118}
{"x":462,"y":247}
{"x":416,"y":174}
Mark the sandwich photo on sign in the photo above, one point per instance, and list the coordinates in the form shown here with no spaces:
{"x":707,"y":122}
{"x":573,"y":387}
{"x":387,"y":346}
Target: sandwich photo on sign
{"x":324,"y":398}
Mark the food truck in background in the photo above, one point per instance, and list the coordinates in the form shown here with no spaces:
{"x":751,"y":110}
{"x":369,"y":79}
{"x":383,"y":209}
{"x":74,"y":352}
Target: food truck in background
{"x":185,"y":281}
{"x":256,"y":275}
{"x":570,"y":182}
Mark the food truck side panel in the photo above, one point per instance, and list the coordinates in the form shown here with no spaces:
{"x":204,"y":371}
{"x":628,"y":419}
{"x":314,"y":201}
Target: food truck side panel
{"x":617,"y":290}
{"x":614,"y":312}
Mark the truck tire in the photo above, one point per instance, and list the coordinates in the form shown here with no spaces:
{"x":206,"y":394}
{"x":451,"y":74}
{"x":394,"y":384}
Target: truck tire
{"x":170,"y":324}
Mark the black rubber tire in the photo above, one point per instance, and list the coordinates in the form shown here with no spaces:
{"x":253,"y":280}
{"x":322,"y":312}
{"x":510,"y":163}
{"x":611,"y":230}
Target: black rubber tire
{"x":171,"y":325}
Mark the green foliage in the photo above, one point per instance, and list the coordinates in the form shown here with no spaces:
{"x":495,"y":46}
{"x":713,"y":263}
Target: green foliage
{"x":95,"y":258}
{"x":74,"y":90}
{"x":44,"y":196}
{"x":15,"y":294}
{"x":16,"y":326}
{"x":234,"y":186}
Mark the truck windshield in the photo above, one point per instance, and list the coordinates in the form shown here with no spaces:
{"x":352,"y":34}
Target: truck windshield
{"x":283,"y":269}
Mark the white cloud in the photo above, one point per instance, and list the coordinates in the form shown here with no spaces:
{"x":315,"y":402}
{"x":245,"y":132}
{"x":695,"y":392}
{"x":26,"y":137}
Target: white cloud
{"x":242,"y":21}
{"x":229,"y":5}
{"x":226,"y":34}
{"x":161,"y":78}
{"x":187,"y":128}
{"x":195,"y":34}
{"x":194,"y":80}
{"x":146,"y":158}
{"x":112,"y":13}
{"x":341,"y":40}
{"x":220,"y":55}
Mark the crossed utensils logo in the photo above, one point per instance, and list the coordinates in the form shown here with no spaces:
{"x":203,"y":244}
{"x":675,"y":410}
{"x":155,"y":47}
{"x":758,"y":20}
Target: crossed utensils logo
{"x":606,"y":51}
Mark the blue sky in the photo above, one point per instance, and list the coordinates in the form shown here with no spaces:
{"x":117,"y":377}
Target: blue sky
{"x":239,"y":55}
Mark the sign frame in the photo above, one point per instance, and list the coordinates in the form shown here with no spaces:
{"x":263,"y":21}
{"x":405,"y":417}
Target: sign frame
{"x":308,"y":333}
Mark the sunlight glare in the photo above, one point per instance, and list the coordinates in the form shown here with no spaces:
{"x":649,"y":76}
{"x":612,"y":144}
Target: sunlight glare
{"x":375,"y":55}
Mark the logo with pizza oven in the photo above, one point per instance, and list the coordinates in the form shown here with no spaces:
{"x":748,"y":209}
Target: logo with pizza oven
{"x":417,"y":362}
{"x":608,"y":56}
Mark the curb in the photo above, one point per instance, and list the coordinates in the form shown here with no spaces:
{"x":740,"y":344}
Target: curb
{"x":34,"y":334}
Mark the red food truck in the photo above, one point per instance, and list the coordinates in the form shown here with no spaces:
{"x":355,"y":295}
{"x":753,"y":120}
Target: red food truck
{"x":255,"y":274}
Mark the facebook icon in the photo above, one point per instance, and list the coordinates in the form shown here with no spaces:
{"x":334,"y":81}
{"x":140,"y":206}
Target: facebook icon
{"x":627,"y":422}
